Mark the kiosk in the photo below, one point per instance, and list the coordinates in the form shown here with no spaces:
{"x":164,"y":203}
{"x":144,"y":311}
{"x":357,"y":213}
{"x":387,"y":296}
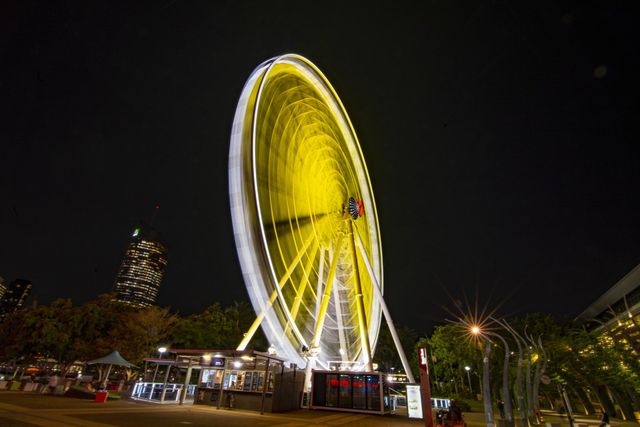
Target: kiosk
{"x":226,"y":379}
{"x":366,"y":392}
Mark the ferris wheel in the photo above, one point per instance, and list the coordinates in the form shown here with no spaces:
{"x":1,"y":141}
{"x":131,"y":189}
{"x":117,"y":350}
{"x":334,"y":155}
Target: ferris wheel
{"x":304,"y":219}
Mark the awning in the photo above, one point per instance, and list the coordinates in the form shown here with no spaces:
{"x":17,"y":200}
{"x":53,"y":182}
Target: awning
{"x":113,"y":359}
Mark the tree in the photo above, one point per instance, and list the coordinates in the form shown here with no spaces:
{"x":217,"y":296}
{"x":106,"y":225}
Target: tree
{"x":98,"y":319}
{"x":140,"y":332}
{"x":452,"y":351}
{"x":48,"y":331}
{"x":216,"y":328}
{"x":386,"y":354}
{"x":13,"y":336}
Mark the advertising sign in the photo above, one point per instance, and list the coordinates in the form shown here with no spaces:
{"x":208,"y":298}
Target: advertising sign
{"x":414,"y":405}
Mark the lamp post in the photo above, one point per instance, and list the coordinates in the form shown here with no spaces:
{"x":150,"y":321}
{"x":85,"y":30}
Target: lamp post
{"x":468,"y":368}
{"x":505,"y":377}
{"x":486,"y":387}
{"x":520,"y":395}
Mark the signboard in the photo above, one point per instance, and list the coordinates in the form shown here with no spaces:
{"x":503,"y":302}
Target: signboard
{"x":397,"y":378}
{"x":218,"y":362}
{"x":414,"y":404}
{"x":425,"y":388}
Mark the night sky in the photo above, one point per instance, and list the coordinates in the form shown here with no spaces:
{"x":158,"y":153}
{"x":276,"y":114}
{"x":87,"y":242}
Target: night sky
{"x":502,"y":142}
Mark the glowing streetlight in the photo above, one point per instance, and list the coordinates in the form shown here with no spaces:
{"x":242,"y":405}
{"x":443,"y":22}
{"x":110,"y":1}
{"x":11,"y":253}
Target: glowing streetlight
{"x":476,"y":331}
{"x":468,"y":369}
{"x":162,"y":350}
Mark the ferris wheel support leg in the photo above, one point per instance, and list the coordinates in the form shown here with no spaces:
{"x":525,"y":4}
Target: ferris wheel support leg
{"x":256,"y":323}
{"x":322,"y":313}
{"x":308,"y":371}
{"x":362,"y":314}
{"x":378,"y":295}
{"x":303,"y":284}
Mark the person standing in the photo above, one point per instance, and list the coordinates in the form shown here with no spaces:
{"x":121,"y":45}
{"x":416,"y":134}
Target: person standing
{"x":500,"y":405}
{"x":455,"y":413}
{"x":53,"y":383}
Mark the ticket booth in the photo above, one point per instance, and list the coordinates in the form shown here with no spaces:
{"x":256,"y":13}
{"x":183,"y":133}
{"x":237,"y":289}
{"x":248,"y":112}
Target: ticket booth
{"x":366,"y":392}
{"x":243,"y":379}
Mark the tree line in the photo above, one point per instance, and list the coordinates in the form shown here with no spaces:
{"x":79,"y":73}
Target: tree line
{"x":597,"y":368}
{"x":68,"y":333}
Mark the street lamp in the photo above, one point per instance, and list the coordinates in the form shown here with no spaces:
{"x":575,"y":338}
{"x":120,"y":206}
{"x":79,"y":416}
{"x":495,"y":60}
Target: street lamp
{"x":505,"y":377}
{"x":468,"y":368}
{"x":162,"y":350}
{"x":520,"y":390}
{"x":486,"y":387}
{"x":477,"y":331}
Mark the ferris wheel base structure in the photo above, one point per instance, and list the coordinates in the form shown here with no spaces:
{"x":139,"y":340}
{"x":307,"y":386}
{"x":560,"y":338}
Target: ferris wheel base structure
{"x":305,"y":221}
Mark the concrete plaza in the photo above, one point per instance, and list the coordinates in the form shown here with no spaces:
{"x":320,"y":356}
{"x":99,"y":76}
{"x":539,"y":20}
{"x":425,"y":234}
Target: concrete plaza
{"x":21,"y":409}
{"x":27,"y":409}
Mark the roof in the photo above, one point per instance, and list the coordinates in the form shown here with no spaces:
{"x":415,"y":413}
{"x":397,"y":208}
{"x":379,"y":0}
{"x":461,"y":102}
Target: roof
{"x":222,"y":353}
{"x":159,"y":361}
{"x":625,"y":286}
{"x":112,"y":359}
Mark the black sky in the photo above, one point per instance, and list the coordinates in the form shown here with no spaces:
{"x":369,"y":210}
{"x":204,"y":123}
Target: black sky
{"x":502,"y":142}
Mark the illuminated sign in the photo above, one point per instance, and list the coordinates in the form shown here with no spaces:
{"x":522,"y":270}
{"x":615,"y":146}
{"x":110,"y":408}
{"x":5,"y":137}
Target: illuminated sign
{"x":135,"y":232}
{"x":414,"y":402}
{"x":397,"y":378}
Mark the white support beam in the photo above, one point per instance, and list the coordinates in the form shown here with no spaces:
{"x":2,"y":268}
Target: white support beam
{"x":387,"y":315}
{"x":341,"y":337}
{"x":361,"y":312}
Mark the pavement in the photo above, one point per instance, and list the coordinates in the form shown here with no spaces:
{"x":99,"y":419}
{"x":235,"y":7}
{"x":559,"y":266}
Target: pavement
{"x":22,"y":409}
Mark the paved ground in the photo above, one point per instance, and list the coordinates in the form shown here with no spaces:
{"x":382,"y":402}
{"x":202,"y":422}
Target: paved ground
{"x":27,"y":409}
{"x":21,"y":409}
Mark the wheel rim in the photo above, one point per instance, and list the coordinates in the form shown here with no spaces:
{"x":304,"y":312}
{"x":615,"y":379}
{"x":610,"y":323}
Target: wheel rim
{"x":296,"y":169}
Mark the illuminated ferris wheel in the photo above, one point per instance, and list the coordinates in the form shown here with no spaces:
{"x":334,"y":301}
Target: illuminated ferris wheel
{"x":304,"y":218}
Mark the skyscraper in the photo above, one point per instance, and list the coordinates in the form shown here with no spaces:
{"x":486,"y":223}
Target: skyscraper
{"x":140,"y":274}
{"x":14,"y":297}
{"x":3,"y":288}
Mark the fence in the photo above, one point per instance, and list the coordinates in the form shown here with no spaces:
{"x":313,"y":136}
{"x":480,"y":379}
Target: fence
{"x":161,"y":393}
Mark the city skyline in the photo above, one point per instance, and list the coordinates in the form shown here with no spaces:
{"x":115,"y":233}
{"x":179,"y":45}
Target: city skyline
{"x":503,"y":160}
